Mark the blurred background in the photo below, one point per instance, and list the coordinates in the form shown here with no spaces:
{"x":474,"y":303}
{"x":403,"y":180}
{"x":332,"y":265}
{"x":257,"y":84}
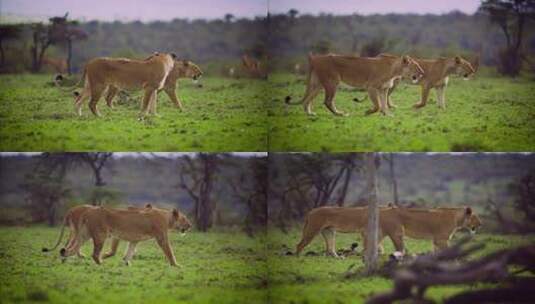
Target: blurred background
{"x":62,"y":35}
{"x":245,"y":191}
{"x":214,"y":190}
{"x":500,"y":187}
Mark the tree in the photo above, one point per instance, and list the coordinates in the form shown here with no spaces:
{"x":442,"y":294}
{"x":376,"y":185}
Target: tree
{"x":372,"y":231}
{"x":511,"y":17}
{"x":97,"y":161}
{"x":395,"y":196}
{"x":352,"y":23}
{"x":293,"y":13}
{"x":58,"y":31}
{"x":228,"y":18}
{"x":197,"y":176}
{"x":46,"y":186}
{"x":7,"y":32}
{"x":251,"y":187}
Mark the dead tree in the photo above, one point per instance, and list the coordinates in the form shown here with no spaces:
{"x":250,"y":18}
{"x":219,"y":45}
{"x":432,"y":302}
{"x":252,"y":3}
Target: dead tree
{"x":372,"y":234}
{"x":197,"y":176}
{"x":442,"y":268}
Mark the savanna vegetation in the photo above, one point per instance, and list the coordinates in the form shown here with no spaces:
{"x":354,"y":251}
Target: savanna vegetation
{"x":222,"y":115}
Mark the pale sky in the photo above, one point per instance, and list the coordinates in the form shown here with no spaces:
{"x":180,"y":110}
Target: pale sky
{"x":129,"y":10}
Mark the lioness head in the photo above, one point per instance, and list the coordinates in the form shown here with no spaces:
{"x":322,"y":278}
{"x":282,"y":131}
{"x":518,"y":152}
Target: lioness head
{"x":470,"y":220}
{"x":180,"y":222}
{"x":411,"y":69}
{"x":463,"y":68}
{"x":188,"y":69}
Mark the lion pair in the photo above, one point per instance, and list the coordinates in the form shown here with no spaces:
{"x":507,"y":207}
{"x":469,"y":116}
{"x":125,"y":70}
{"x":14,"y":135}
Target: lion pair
{"x":379,"y":76}
{"x":437,"y":224}
{"x":158,"y":72}
{"x":133,"y":225}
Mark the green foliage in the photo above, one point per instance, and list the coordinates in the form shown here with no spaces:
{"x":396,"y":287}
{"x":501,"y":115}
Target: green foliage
{"x":223,"y":115}
{"x":483,"y":114}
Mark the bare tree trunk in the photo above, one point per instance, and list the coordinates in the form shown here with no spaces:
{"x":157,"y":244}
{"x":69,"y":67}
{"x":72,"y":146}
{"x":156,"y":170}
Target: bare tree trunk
{"x":2,"y":54}
{"x":343,"y":194}
{"x":69,"y":56}
{"x":393,"y":179}
{"x":371,"y":254}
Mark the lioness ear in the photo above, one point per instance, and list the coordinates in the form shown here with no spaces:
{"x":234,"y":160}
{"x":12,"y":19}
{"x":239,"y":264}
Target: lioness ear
{"x":405,"y":60}
{"x":148,"y":206}
{"x":457,"y":60}
{"x":155,"y":53}
{"x":468,"y":211}
{"x":175,"y":213}
{"x":173,"y":55}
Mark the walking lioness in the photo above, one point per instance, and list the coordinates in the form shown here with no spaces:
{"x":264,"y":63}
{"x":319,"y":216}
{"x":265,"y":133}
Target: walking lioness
{"x":437,"y":224}
{"x":436,"y":75}
{"x":376,"y":75}
{"x":129,"y":225}
{"x":181,"y":69}
{"x":149,"y":74}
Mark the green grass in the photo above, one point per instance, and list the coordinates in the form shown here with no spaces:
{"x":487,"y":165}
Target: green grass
{"x":224,"y":115}
{"x":320,"y":279}
{"x":216,"y":267}
{"x":483,"y":114}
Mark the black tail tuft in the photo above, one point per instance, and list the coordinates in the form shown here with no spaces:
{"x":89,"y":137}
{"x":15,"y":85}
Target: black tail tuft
{"x":287,"y":99}
{"x":76,"y":94}
{"x":45,"y":250}
{"x":358,"y":100}
{"x":62,"y":252}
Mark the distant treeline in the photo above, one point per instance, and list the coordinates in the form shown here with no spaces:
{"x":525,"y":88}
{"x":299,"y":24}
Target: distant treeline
{"x":284,"y":38}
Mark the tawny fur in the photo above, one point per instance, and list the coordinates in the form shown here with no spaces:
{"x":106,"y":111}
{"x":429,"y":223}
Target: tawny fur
{"x":436,"y":224}
{"x":149,"y":74}
{"x":181,"y":69}
{"x":376,"y":75}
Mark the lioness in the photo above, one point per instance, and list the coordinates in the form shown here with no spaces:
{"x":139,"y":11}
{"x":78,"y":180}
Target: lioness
{"x":73,"y":217}
{"x":376,"y":75}
{"x":436,"y":75}
{"x":130,"y":225}
{"x":149,"y":74}
{"x":438,"y":224}
{"x":181,"y":69}
{"x":329,"y":220}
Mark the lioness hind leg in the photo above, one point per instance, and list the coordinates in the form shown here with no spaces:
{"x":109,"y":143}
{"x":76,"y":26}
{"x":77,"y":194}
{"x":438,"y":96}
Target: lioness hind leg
{"x":147,"y":98}
{"x":79,"y":100}
{"x":96,"y":93}
{"x":130,"y":253}
{"x":110,"y":94}
{"x":312,"y":90}
{"x":113,"y":249}
{"x":374,"y":99}
{"x":98,"y":244}
{"x":329,"y":234}
{"x":308,"y":236}
{"x":330,"y":93}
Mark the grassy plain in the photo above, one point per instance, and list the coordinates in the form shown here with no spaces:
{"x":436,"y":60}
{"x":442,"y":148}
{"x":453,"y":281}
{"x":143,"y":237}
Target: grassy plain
{"x":216,"y":267}
{"x":483,"y":114}
{"x":224,"y":115}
